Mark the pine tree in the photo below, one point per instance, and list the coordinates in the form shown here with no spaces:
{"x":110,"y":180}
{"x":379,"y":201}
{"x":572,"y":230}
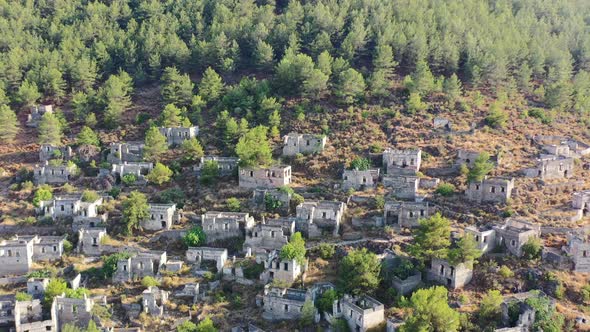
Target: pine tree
{"x":177,"y":88}
{"x":159,"y":174}
{"x":50,"y":131}
{"x":171,"y":116}
{"x":452,"y":88}
{"x":192,"y":150}
{"x":135,"y":210}
{"x":87,"y":137}
{"x":28,"y":94}
{"x":254,"y":148}
{"x":351,"y":86}
{"x":316,"y":84}
{"x":423,"y":78}
{"x":9,"y":126}
{"x":211,"y":86}
{"x":155,"y":144}
{"x":263,"y":54}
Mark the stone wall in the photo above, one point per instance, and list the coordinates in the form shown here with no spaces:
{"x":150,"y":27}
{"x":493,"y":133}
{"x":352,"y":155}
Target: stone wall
{"x":270,"y":177}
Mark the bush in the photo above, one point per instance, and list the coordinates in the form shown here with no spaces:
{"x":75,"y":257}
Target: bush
{"x":128,"y":179}
{"x":271,"y":203}
{"x":233,"y":204}
{"x":149,"y":281}
{"x":90,"y":196}
{"x":496,"y":118}
{"x":532,"y":248}
{"x":505,"y":272}
{"x":172,"y":195}
{"x":445,"y":189}
{"x":195,"y":237}
{"x":379,"y":202}
{"x":585,"y":292}
{"x":361,"y":164}
{"x":326,"y":250}
{"x":541,"y":115}
{"x":68,"y":246}
{"x":160,"y":174}
{"x":22,"y":296}
{"x":43,"y":193}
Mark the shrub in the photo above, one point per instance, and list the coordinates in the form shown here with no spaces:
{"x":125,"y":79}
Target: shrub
{"x":585,"y":292}
{"x":496,"y":118}
{"x":129,"y":179}
{"x":22,"y":296}
{"x":172,"y":195}
{"x":379,"y":202}
{"x":532,"y":248}
{"x":326,"y":250}
{"x":43,"y":193}
{"x":233,"y":204}
{"x":541,"y":115}
{"x":195,"y":237}
{"x":445,"y":189}
{"x":68,"y":246}
{"x":505,"y":272}
{"x":160,"y":174}
{"x":149,"y":281}
{"x":90,"y":196}
{"x":362,"y":164}
{"x":271,"y":203}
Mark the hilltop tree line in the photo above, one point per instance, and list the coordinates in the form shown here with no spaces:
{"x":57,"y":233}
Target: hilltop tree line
{"x":97,"y":51}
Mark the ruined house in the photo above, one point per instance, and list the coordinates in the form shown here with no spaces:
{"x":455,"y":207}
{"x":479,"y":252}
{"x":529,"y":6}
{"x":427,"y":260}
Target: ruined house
{"x":402,"y":186}
{"x":453,"y":276}
{"x":361,"y":313}
{"x":561,"y":146}
{"x":6,"y":310}
{"x":294,"y":143}
{"x":177,"y":135}
{"x":197,"y":255}
{"x":45,"y":248}
{"x":552,"y":167}
{"x":442,"y":123}
{"x":405,"y":214}
{"x":227,"y":165}
{"x":269,"y":235}
{"x":50,"y":174}
{"x":37,"y":112}
{"x":264,"y":177}
{"x":49,"y":151}
{"x":515,"y":233}
{"x":90,"y":241}
{"x":468,"y":157}
{"x":283,"y":303}
{"x":272,"y":198}
{"x":16,"y":256}
{"x":581,"y":202}
{"x":360,"y":180}
{"x":73,"y":311}
{"x":36,"y":287}
{"x":28,"y":317}
{"x":139,"y":169}
{"x":162,"y":216}
{"x":575,"y":255}
{"x":493,"y":190}
{"x":153,"y":301}
{"x":225,"y":225}
{"x":283,"y":270}
{"x":121,"y":152}
{"x":517,"y":315}
{"x":313,"y":217}
{"x":139,"y":265}
{"x":484,"y":237}
{"x":402,"y":162}
{"x":71,"y":205}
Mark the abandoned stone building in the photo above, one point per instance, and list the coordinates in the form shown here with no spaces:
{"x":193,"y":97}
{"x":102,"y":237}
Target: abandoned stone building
{"x":6,"y":310}
{"x":272,"y":199}
{"x":515,"y":233}
{"x":492,"y":190}
{"x":90,"y":241}
{"x":283,"y":303}
{"x":36,"y":287}
{"x":575,"y":255}
{"x":177,"y":135}
{"x":139,"y":169}
{"x":49,"y":151}
{"x":37,"y":112}
{"x":361,"y":313}
{"x":442,"y":123}
{"x":405,"y":214}
{"x":139,"y":265}
{"x":581,"y":202}
{"x":552,"y":167}
{"x":197,"y":255}
{"x":485,"y":237}
{"x":282,"y":270}
{"x":16,"y":256}
{"x":162,"y":216}
{"x":269,"y":235}
{"x":73,"y":311}
{"x":227,"y":165}
{"x":468,"y":157}
{"x":515,"y":305}
{"x":359,"y":180}
{"x":153,"y":300}
{"x":294,"y":143}
{"x":264,"y":177}
{"x":314,"y":217}
{"x":70,"y":205}
{"x":225,"y":225}
{"x":402,"y":162}
{"x":402,"y":186}
{"x":453,"y":276}
{"x":120,"y":152}
{"x":561,"y":146}
{"x":45,"y":248}
{"x":28,"y":317}
{"x":49,"y":174}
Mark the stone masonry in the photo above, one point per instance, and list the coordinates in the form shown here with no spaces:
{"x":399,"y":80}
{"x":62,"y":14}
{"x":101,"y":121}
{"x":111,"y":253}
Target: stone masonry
{"x":58,"y":175}
{"x":485,"y":238}
{"x":162,"y":216}
{"x":269,"y":235}
{"x":283,"y":270}
{"x":405,"y":214}
{"x":90,"y":241}
{"x":225,"y":225}
{"x":402,"y":186}
{"x":453,"y":276}
{"x":153,"y":300}
{"x":264,"y":177}
{"x":295,"y":143}
{"x":120,"y":152}
{"x":49,"y":151}
{"x":177,"y":135}
{"x":198,"y":254}
{"x":227,"y":165}
{"x":552,"y":167}
{"x":402,"y":162}
{"x":313,"y":217}
{"x":361,"y":313}
{"x":515,"y":233}
{"x":28,"y":317}
{"x":37,"y":112}
{"x":16,"y":256}
{"x":139,"y":265}
{"x":360,"y":180}
{"x":494,"y":190}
